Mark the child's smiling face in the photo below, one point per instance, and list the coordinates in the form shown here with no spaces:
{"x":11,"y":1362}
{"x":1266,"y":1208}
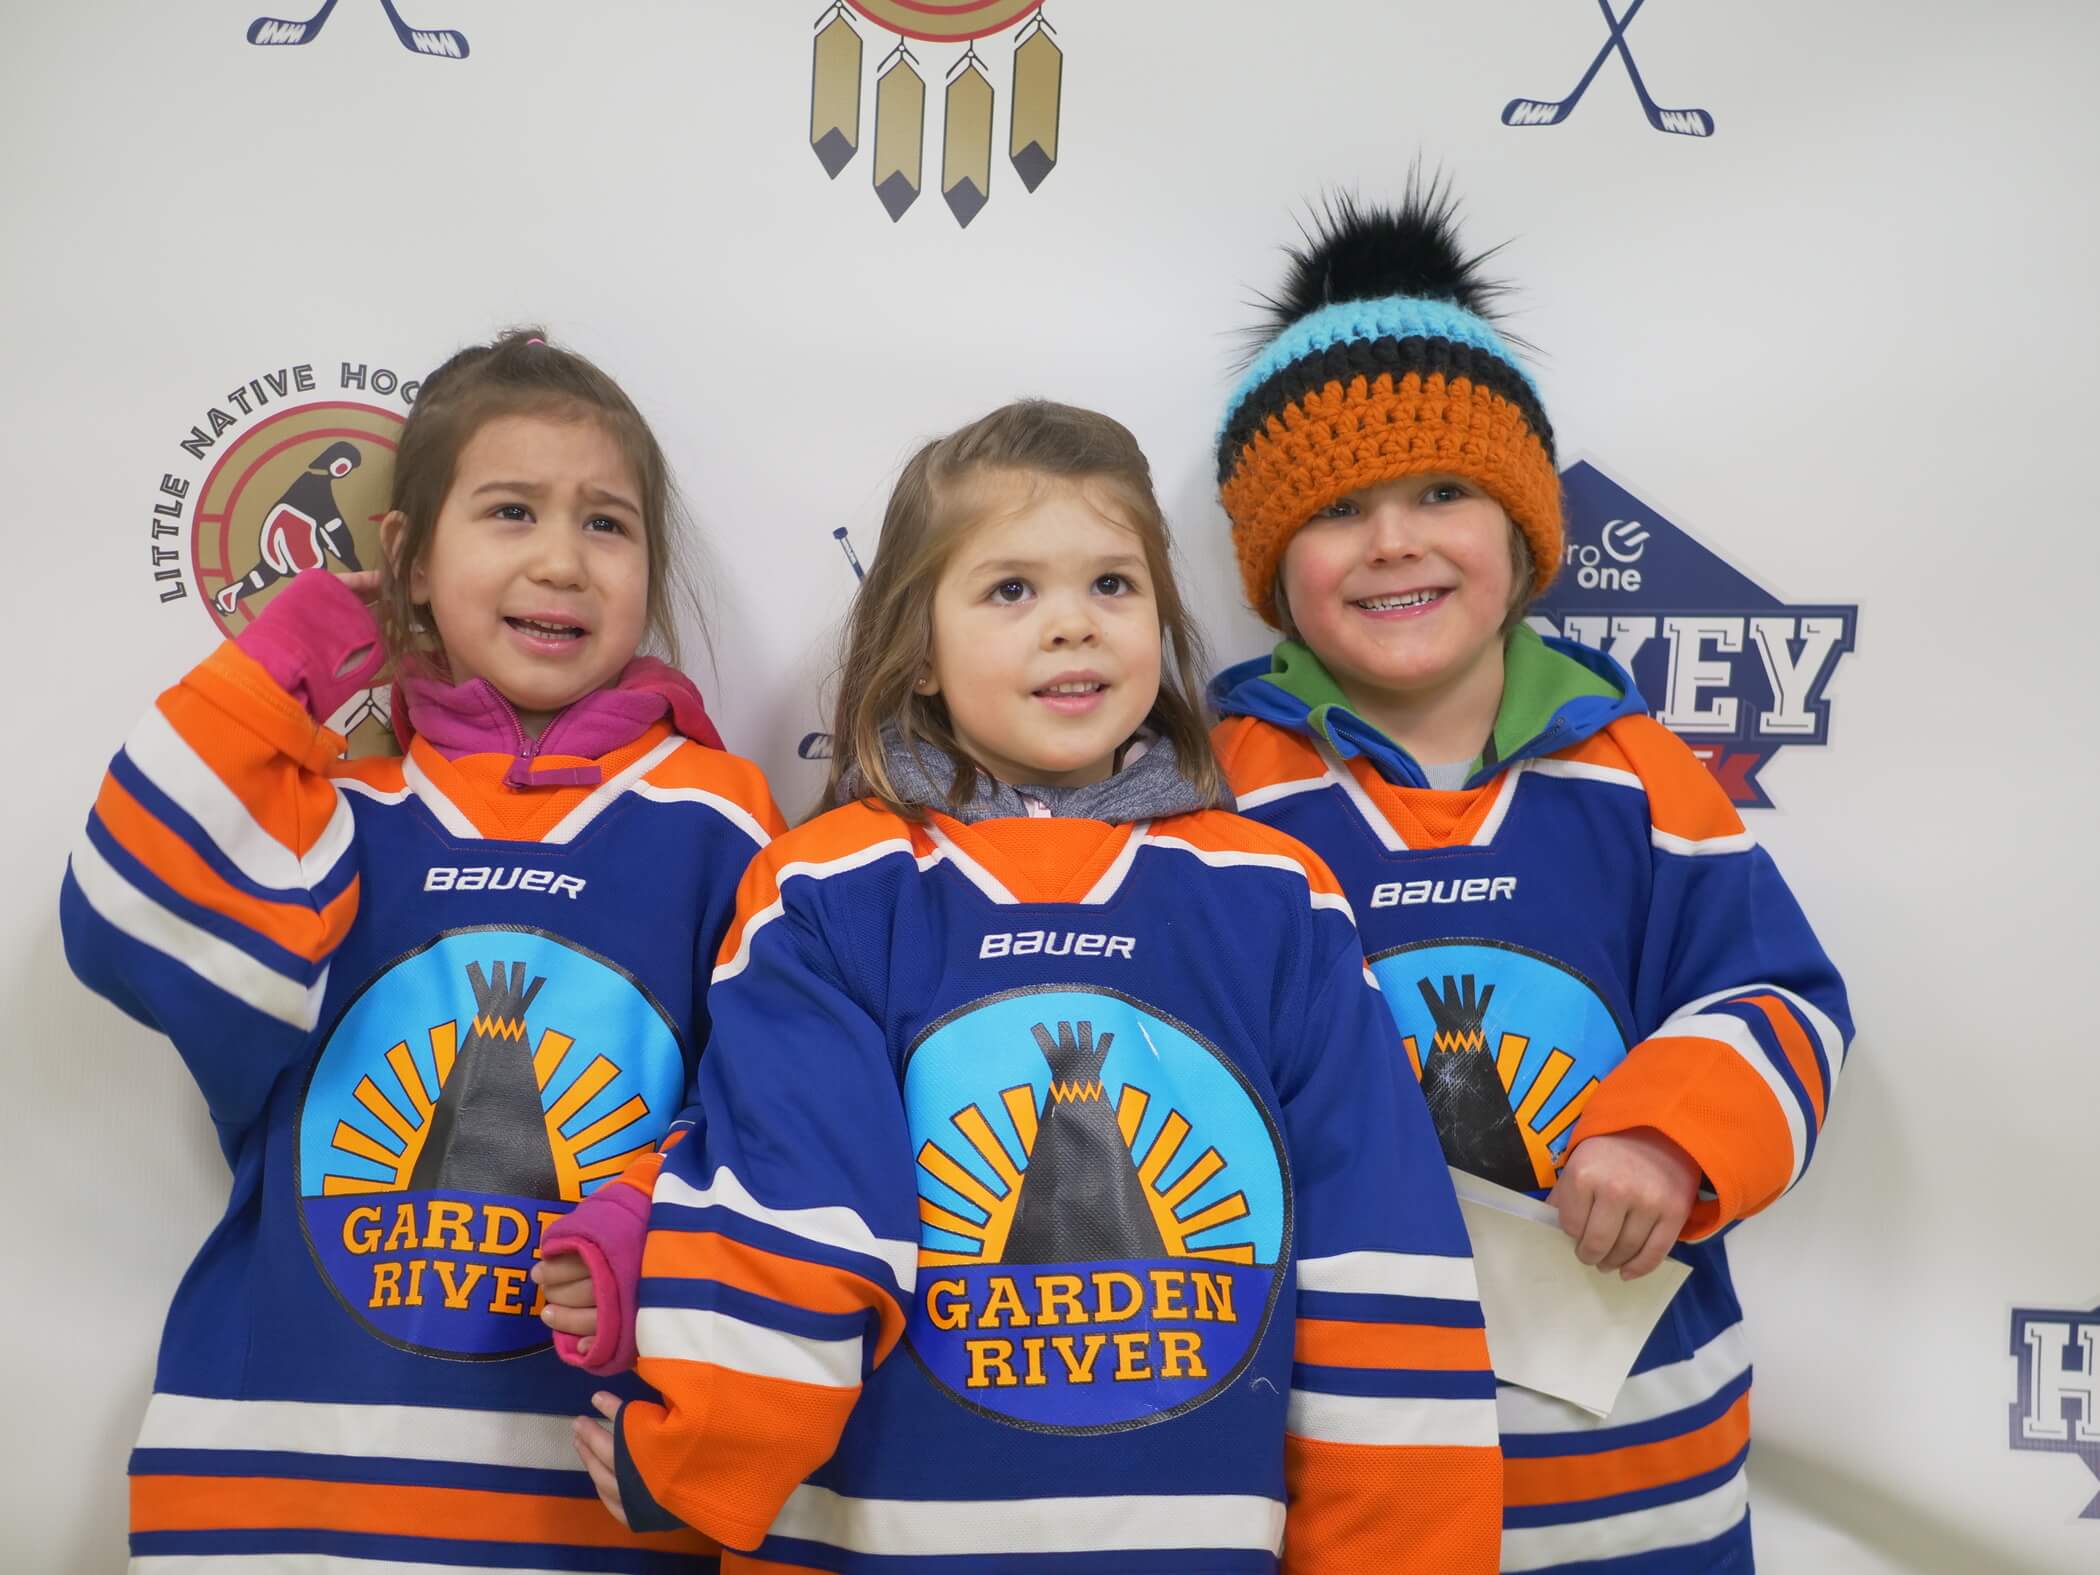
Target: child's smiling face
{"x":1046,"y":636}
{"x":1401,"y":589}
{"x":537,"y":572}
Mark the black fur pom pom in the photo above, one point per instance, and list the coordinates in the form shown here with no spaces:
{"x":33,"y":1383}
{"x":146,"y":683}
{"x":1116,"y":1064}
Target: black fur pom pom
{"x":1355,"y":251}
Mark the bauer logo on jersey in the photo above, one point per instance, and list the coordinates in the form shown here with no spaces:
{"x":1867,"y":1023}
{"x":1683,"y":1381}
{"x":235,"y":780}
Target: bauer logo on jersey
{"x":469,"y":1095}
{"x":1731,"y":669}
{"x":287,"y":475}
{"x":1104,"y":1210}
{"x":1508,"y":1045}
{"x":2056,"y":1409}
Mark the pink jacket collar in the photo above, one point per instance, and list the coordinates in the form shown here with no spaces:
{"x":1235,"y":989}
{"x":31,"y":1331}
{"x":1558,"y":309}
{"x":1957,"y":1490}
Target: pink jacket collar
{"x":474,"y":719}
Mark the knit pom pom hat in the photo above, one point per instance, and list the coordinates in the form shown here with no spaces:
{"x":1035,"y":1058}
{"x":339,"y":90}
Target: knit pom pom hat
{"x":1381,"y":361}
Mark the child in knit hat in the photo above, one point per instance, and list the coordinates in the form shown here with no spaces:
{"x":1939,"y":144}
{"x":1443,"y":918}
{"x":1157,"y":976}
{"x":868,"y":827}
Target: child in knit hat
{"x":1609,"y":995}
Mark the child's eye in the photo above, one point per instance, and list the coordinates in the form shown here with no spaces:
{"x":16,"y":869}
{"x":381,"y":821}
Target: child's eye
{"x":1007,"y":592}
{"x":1339,"y":509}
{"x":511,"y":511}
{"x":1113,"y":585}
{"x":605,"y":522}
{"x":1444,"y":492}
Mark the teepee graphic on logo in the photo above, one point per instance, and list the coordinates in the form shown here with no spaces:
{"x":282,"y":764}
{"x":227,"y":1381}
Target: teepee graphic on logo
{"x":1085,"y":1187}
{"x":1489,"y":1126}
{"x":488,"y":1133}
{"x":1081,"y":1198}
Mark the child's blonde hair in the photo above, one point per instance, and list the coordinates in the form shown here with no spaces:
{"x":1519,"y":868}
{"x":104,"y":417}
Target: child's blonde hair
{"x":937,"y":501}
{"x":520,"y":374}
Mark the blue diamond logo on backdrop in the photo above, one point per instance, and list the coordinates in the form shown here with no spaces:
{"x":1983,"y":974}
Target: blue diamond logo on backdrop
{"x":1730,"y":668}
{"x":2056,"y":1409}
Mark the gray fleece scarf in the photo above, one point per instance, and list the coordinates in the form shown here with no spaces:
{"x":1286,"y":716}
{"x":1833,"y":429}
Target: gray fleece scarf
{"x":1149,"y":787}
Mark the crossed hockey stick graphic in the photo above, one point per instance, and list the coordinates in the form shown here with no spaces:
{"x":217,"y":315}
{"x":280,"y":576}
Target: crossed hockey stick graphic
{"x":1551,"y":112}
{"x":444,"y":42}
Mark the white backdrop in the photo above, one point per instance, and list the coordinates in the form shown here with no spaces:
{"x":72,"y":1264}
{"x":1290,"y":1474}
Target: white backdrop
{"x":1849,"y":341}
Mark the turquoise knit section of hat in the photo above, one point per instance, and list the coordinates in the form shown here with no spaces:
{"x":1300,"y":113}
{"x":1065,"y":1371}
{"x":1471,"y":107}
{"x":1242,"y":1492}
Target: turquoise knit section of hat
{"x":1389,"y":317}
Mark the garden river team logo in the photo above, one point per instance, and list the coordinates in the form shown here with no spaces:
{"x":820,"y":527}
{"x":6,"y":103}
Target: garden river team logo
{"x":284,"y":477}
{"x":1508,"y":1044}
{"x":469,"y":1096}
{"x":1104,"y":1207}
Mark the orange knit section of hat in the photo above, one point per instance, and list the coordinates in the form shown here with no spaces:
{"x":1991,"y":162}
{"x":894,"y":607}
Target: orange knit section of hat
{"x":1345,"y":436}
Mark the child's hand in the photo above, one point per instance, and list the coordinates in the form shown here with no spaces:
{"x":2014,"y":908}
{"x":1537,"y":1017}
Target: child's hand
{"x":572,"y":1300}
{"x":362,"y":583}
{"x":1624,"y":1198}
{"x":594,"y":1446}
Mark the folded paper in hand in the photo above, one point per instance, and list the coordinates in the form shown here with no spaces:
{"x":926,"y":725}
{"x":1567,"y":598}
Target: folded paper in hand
{"x":1553,"y":1323}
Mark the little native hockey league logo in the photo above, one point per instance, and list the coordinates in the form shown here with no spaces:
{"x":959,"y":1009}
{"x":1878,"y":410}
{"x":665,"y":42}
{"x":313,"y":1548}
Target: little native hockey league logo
{"x":1104,"y":1207}
{"x":468,"y":1097}
{"x":439,"y":43}
{"x":283,"y":477}
{"x":1508,"y":1045}
{"x":1724,"y":664}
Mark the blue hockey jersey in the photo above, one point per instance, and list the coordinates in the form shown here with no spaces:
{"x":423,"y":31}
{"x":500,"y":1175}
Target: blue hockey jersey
{"x":1053,"y":1204}
{"x":1583,"y":940}
{"x":429,"y":1012}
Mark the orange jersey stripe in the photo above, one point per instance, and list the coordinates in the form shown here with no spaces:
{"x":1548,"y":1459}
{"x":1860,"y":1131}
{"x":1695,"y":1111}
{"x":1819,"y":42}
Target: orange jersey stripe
{"x":1800,"y":1054}
{"x":280,"y":785}
{"x":756,"y":1440}
{"x":1361,"y":1506}
{"x":706,"y":1255}
{"x":1324,"y":1342}
{"x":1699,"y":1093}
{"x":724,"y":775}
{"x":301,"y":930}
{"x":176,"y":1503}
{"x":1564,"y":1479}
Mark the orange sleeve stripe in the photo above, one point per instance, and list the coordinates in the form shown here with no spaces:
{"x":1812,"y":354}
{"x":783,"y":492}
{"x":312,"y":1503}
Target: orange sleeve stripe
{"x":1564,"y":1479}
{"x":1352,"y":1506}
{"x":640,"y":1173}
{"x":815,"y":1287}
{"x":1800,"y":1054}
{"x":1700,"y":1095}
{"x":1684,"y":800}
{"x":756,"y":1440}
{"x":302,"y":930}
{"x":258,"y":741}
{"x":175,"y":1503}
{"x":735,"y":1563}
{"x":1324,"y":1342}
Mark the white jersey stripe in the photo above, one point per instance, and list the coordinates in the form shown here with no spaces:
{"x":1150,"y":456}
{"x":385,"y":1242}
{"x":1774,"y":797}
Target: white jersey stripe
{"x":312,"y":1564}
{"x":1386,"y":1419}
{"x":1675,"y":1386}
{"x":1391,"y":1274}
{"x":605,"y":794}
{"x":832,"y":1225}
{"x":449,"y":814}
{"x":1678,"y":1525}
{"x":1583,"y":771}
{"x":734,"y":813}
{"x":217,"y":962}
{"x":522,"y":1439}
{"x":694,"y":1334}
{"x":961,"y":1528}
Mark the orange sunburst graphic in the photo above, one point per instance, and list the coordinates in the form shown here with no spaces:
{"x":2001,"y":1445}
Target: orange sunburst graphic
{"x":1535,"y":1094}
{"x":403,"y":1111}
{"x":1171,"y":1200}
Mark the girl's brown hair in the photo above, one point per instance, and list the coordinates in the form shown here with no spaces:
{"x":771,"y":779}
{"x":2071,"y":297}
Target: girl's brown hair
{"x":520,"y":374}
{"x":937,"y":501}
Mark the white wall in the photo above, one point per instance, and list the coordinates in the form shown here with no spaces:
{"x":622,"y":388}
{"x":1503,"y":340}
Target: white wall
{"x":1849,"y":340}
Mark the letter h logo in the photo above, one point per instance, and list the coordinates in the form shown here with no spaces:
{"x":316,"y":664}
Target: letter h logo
{"x":2058,"y":1408}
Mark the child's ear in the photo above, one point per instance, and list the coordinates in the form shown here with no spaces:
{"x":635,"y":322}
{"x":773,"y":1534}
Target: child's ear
{"x":391,"y":530}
